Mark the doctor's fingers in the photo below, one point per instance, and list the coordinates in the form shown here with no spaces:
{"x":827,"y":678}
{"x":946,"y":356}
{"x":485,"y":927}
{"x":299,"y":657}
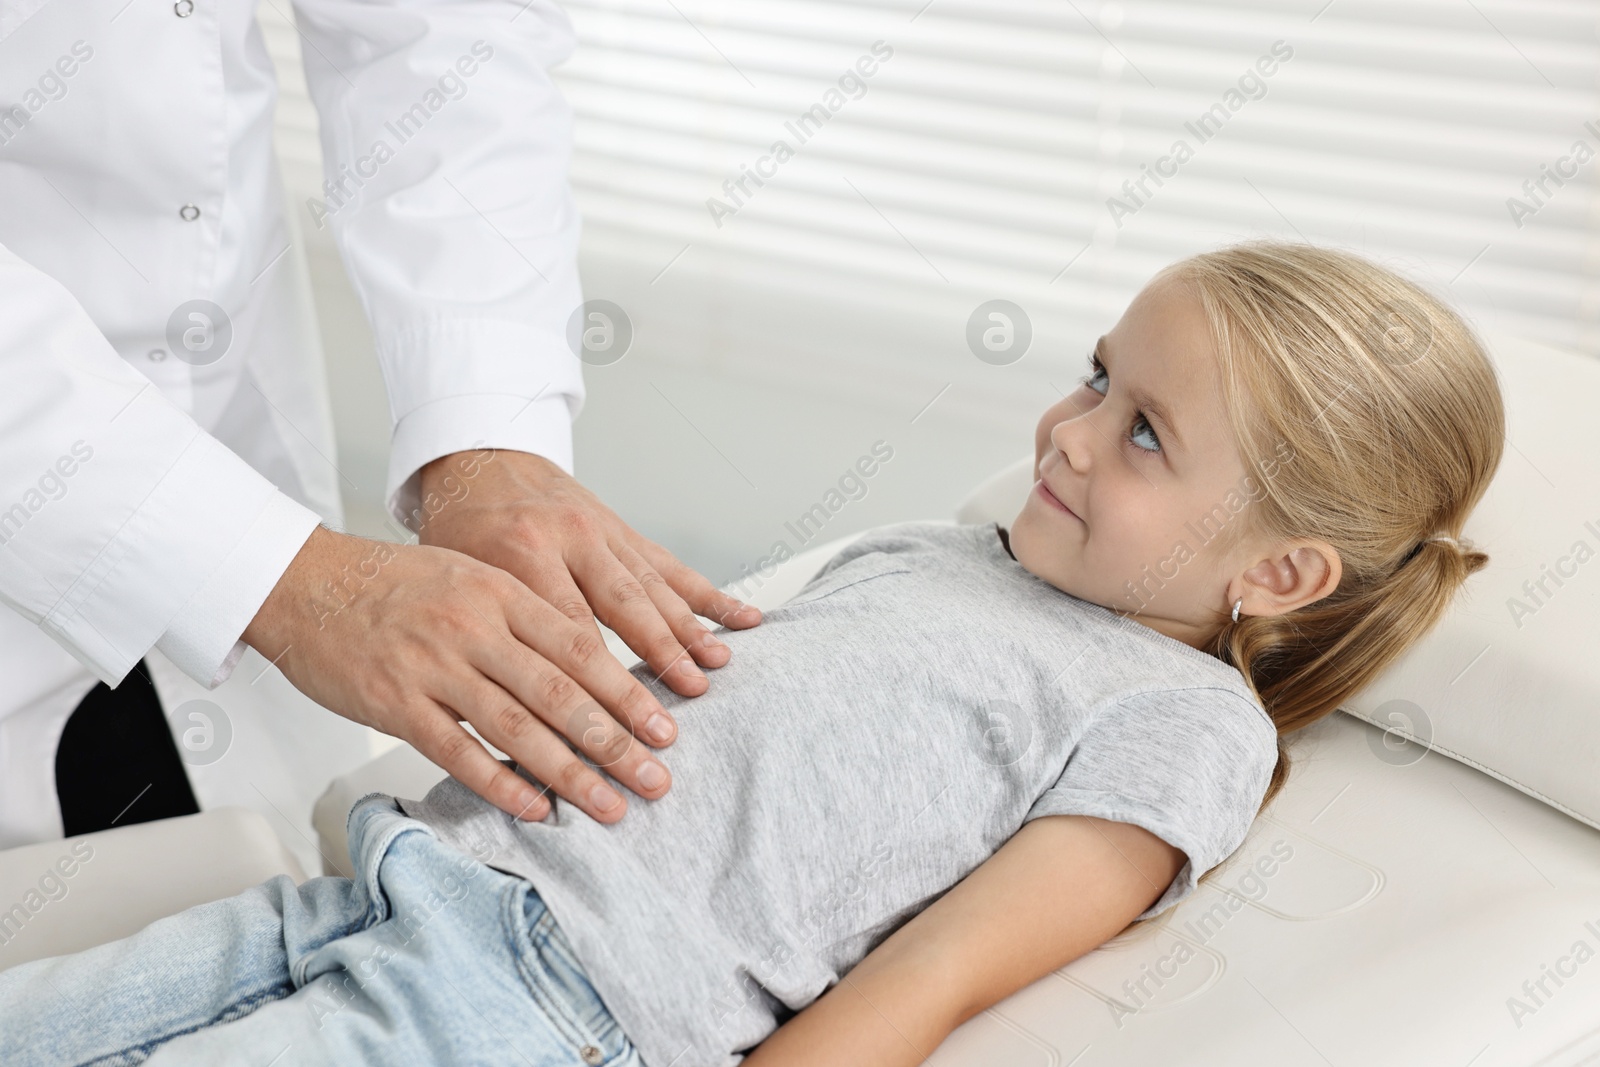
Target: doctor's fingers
{"x":689,"y":631}
{"x":557,"y":662}
{"x":506,"y":722}
{"x":436,"y":733}
{"x":617,"y":598}
{"x":700,"y":595}
{"x":589,"y":583}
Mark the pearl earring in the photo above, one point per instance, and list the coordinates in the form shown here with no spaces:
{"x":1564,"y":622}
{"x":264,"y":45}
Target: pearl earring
{"x":1237,"y":604}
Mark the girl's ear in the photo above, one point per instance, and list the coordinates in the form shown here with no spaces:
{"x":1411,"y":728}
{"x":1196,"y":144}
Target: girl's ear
{"x":1294,"y":574}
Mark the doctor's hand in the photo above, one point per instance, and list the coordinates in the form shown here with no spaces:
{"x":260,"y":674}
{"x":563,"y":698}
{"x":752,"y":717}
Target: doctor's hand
{"x":525,"y":515}
{"x":411,"y":639}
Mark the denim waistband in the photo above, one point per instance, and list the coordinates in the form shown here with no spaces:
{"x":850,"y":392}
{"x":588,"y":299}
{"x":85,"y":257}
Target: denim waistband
{"x":374,"y":822}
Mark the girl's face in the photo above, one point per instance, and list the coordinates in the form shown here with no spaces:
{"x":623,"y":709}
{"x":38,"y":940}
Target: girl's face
{"x":1137,"y":475}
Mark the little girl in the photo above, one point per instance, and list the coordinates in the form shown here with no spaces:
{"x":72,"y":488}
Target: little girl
{"x":960,"y":758}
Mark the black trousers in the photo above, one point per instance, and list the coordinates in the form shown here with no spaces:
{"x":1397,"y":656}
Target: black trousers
{"x":116,"y":763}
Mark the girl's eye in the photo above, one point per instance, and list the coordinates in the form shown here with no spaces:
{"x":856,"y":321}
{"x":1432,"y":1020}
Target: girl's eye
{"x":1143,"y":435}
{"x":1096,"y":371}
{"x":1097,"y":380}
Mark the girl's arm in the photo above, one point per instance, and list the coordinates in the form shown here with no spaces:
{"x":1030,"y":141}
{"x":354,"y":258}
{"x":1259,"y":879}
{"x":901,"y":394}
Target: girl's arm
{"x":1063,"y":885}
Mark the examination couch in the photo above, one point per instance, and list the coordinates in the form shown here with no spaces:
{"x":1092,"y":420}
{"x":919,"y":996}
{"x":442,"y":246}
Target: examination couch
{"x":1425,"y":890}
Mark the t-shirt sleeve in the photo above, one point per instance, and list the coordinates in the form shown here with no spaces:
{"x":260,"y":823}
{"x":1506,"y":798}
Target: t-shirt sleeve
{"x":1189,"y":765}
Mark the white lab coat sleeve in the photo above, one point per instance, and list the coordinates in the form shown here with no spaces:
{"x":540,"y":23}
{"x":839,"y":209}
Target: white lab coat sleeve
{"x":446,"y":148}
{"x":123,"y":524}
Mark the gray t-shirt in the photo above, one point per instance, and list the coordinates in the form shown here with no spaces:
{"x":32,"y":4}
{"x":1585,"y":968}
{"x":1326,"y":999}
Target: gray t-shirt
{"x":868,"y":745}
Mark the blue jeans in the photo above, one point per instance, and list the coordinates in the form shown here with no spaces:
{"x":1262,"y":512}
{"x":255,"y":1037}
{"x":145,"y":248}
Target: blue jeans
{"x":425,"y":957}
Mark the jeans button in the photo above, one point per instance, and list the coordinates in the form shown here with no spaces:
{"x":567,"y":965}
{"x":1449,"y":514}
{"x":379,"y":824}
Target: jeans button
{"x":591,"y":1055}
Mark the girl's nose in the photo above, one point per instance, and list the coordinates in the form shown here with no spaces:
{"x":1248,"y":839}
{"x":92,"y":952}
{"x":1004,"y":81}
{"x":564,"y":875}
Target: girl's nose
{"x":1071,"y":437}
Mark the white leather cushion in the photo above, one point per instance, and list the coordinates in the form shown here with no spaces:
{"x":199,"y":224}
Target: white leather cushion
{"x":1509,"y":681}
{"x":68,"y":895}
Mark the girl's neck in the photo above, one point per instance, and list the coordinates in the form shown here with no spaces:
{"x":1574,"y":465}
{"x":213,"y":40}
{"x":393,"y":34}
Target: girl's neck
{"x":1173,"y":628}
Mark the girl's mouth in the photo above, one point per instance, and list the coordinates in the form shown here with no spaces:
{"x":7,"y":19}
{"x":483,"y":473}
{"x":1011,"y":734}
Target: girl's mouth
{"x":1051,"y":499}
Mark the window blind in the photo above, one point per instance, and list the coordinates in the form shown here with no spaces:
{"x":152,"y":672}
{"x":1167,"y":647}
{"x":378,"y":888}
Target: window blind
{"x":822,"y":194}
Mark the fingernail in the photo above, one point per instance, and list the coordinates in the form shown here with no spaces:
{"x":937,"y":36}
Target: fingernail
{"x":689,"y":670}
{"x":709,"y":640}
{"x":603,"y":797}
{"x":658,"y":726}
{"x":530,"y":804}
{"x":652,"y":775}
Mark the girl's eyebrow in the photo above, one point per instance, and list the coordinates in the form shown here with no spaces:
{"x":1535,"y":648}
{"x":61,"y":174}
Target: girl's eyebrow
{"x":1144,"y":401}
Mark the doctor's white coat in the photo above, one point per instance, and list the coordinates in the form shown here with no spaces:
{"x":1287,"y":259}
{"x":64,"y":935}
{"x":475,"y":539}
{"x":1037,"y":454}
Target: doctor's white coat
{"x":164,"y":421}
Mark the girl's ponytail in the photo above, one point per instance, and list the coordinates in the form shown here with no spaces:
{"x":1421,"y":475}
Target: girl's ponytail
{"x":1304,"y":664}
{"x":1393,"y":417}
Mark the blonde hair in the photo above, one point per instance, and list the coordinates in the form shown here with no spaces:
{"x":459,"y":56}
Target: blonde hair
{"x":1392,"y":414}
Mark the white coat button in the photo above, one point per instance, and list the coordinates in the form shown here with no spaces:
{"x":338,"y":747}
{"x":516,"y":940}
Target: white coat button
{"x":188,"y":213}
{"x":183,"y":8}
{"x":591,"y":1055}
{"x":158,"y":354}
